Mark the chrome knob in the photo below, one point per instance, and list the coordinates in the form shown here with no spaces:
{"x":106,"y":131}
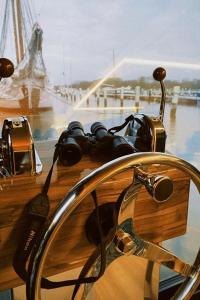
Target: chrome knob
{"x":159,"y":187}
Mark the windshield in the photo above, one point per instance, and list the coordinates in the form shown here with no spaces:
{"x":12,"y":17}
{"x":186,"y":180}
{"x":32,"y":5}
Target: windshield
{"x":91,"y":61}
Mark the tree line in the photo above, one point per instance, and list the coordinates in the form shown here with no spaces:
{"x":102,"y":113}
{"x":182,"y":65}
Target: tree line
{"x":143,"y":82}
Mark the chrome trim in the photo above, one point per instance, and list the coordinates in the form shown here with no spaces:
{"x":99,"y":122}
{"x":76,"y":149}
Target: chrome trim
{"x":157,"y":130}
{"x":128,"y":204}
{"x":189,"y":286}
{"x":152,"y":183}
{"x":85,"y":187}
{"x":162,"y":256}
{"x":37,"y":163}
{"x":17,"y":138}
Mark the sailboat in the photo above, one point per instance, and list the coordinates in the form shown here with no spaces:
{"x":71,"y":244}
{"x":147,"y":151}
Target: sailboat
{"x":23,"y":92}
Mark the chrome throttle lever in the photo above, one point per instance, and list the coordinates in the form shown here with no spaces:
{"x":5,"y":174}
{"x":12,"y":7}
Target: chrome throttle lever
{"x":158,"y":186}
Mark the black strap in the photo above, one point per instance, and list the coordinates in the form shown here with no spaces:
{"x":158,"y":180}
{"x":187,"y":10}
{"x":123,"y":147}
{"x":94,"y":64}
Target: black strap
{"x":48,"y":178}
{"x":37,"y":211}
{"x":97,"y":252}
{"x":113,"y":130}
{"x":25,"y":247}
{"x":101,"y":250}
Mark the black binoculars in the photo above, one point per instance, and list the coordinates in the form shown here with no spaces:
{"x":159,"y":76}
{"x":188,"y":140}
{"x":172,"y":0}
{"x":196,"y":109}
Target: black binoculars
{"x":143,"y":134}
{"x":109,"y":143}
{"x":74,"y":142}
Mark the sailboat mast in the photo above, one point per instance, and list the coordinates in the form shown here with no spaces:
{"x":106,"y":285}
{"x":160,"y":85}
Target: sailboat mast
{"x":15,"y":31}
{"x":17,"y":28}
{"x":20,"y":34}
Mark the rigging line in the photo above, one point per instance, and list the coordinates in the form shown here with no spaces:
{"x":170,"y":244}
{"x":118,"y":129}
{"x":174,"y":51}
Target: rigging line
{"x":4,"y":28}
{"x":2,"y":41}
{"x":29,"y":14}
{"x":24,"y":25}
{"x":23,"y":63}
{"x":32,"y":11}
{"x":26,"y":18}
{"x":41,"y":7}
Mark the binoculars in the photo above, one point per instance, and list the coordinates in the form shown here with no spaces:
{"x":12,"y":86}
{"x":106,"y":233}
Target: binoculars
{"x":143,"y":134}
{"x":74,"y":142}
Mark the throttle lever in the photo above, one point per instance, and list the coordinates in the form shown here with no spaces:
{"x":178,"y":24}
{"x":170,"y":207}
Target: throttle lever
{"x":158,"y":186}
{"x":159,"y":74}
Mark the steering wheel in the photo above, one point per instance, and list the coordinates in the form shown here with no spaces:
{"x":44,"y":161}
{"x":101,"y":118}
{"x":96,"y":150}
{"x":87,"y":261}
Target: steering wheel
{"x":126,"y":241}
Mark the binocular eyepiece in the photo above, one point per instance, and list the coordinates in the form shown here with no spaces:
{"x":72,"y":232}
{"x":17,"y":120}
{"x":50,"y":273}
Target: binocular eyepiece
{"x":118,"y":145}
{"x":73,"y":143}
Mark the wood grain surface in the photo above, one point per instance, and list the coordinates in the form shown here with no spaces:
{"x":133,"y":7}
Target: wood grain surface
{"x":154,"y":222}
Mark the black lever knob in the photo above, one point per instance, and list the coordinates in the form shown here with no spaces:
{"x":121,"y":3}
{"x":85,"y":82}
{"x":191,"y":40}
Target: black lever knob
{"x":6,"y":68}
{"x":159,"y":74}
{"x":159,"y":187}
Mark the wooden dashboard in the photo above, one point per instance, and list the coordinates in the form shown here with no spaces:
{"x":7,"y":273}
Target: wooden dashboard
{"x":153,"y":221}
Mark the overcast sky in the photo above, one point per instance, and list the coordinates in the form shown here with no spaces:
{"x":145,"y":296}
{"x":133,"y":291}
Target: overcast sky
{"x":80,"y":35}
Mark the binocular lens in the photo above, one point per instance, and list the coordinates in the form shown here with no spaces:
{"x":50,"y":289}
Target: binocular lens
{"x":75,"y":125}
{"x":121,"y":147}
{"x":100,"y":131}
{"x":97,"y":126}
{"x":70,"y":153}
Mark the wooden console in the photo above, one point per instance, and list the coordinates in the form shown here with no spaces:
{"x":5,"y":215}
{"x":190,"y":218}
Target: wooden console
{"x":153,"y":221}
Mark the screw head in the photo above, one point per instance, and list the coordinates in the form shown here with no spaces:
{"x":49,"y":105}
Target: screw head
{"x":124,"y":244}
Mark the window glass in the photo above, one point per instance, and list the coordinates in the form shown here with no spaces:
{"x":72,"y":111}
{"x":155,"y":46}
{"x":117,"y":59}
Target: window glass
{"x":98,"y":58}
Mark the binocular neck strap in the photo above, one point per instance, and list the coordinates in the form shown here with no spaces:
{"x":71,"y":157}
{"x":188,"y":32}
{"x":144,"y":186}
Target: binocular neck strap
{"x":118,"y":128}
{"x":46,"y":185}
{"x":37,"y":210}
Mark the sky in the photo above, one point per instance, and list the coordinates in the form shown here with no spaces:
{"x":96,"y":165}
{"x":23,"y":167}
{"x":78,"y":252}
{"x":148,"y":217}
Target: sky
{"x":79,"y":36}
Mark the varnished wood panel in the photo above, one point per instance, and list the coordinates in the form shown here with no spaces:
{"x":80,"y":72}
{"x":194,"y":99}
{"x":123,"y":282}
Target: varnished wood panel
{"x":126,"y":275}
{"x":71,"y":248}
